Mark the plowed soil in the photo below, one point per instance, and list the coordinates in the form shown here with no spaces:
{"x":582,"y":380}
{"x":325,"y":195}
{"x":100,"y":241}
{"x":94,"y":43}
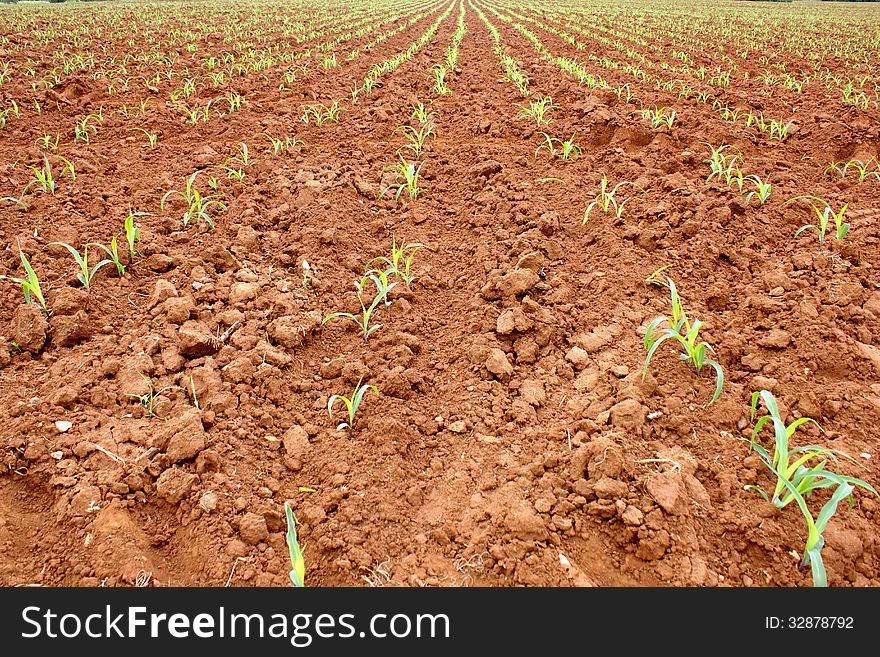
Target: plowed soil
{"x":514,"y":439}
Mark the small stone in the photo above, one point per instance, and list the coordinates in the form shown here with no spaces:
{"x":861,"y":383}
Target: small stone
{"x":629,"y":414}
{"x":498,"y":365}
{"x":253,"y":528}
{"x":29,"y":327}
{"x":666,"y":489}
{"x":174,"y":484}
{"x":632,"y":516}
{"x":532,"y":392}
{"x":296,"y":442}
{"x":506,"y":323}
{"x":209,"y":501}
{"x":162,"y":291}
{"x":620,"y":371}
{"x":776,"y":339}
{"x":458,"y":426}
{"x":578,"y":357}
{"x":240,"y":292}
{"x":63,"y":426}
{"x":610,"y":489}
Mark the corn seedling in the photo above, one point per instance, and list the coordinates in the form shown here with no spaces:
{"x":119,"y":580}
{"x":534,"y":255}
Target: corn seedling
{"x":779,"y":130}
{"x":418,"y":137}
{"x":351,"y":404}
{"x":407,"y":179}
{"x":795,"y":481}
{"x":761,"y":192}
{"x":85,"y":273}
{"x":46,"y":142}
{"x":401,"y":260}
{"x":133,"y":231}
{"x":383,"y":287}
{"x":42,"y":177}
{"x":148,"y":399}
{"x":422,"y":114}
{"x":30,"y":285}
{"x":197,"y":205}
{"x":568,"y":149}
{"x":17,"y":201}
{"x":112,"y":251}
{"x":862,"y":168}
{"x":439,"y":73}
{"x":152,"y":137}
{"x":825,"y":214}
{"x":686,"y":334}
{"x":537,"y":110}
{"x":83,"y":130}
{"x":657,"y":117}
{"x":297,"y":562}
{"x":606,"y":200}
{"x":234,"y":101}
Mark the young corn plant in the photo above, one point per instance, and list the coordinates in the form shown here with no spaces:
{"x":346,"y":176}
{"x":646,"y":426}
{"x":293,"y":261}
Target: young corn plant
{"x":680,"y":329}
{"x":133,"y":231}
{"x":825,"y":215}
{"x":796,"y":479}
{"x":862,"y":169}
{"x":383,"y":287}
{"x":606,"y":200}
{"x":657,"y":117}
{"x":761,"y":192}
{"x":418,"y":138}
{"x":197,"y":205}
{"x":83,"y":130}
{"x":297,"y":562}
{"x":112,"y":251}
{"x":152,"y":137}
{"x":537,"y":110}
{"x":422,"y":114}
{"x":30,"y":285}
{"x":44,"y":178}
{"x":86,"y":273}
{"x":401,"y":260}
{"x":407,"y":179}
{"x":352,"y":404}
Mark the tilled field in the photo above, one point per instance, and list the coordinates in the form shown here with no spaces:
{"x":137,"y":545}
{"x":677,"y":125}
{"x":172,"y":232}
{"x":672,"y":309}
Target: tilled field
{"x":155,"y":421}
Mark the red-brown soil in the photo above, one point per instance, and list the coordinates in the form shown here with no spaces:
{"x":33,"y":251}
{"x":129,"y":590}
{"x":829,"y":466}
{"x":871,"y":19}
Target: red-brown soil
{"x":514,"y":440}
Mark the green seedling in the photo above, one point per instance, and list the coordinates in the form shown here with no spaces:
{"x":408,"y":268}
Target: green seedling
{"x":197,"y":205}
{"x":112,"y":250}
{"x":761,"y":192}
{"x":30,"y":286}
{"x":418,"y":137}
{"x":606,"y":199}
{"x":422,"y":114}
{"x":825,"y":215}
{"x":86,"y":274}
{"x":401,"y":260}
{"x":351,"y":404}
{"x":148,"y":399}
{"x":862,"y":168}
{"x":383,"y":287}
{"x":17,"y":201}
{"x":407,"y":179}
{"x":796,"y":480}
{"x":569,"y":150}
{"x":152,"y":137}
{"x":297,"y":562}
{"x":686,"y":334}
{"x":537,"y":110}
{"x":42,"y":177}
{"x":657,"y":117}
{"x":133,"y":231}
